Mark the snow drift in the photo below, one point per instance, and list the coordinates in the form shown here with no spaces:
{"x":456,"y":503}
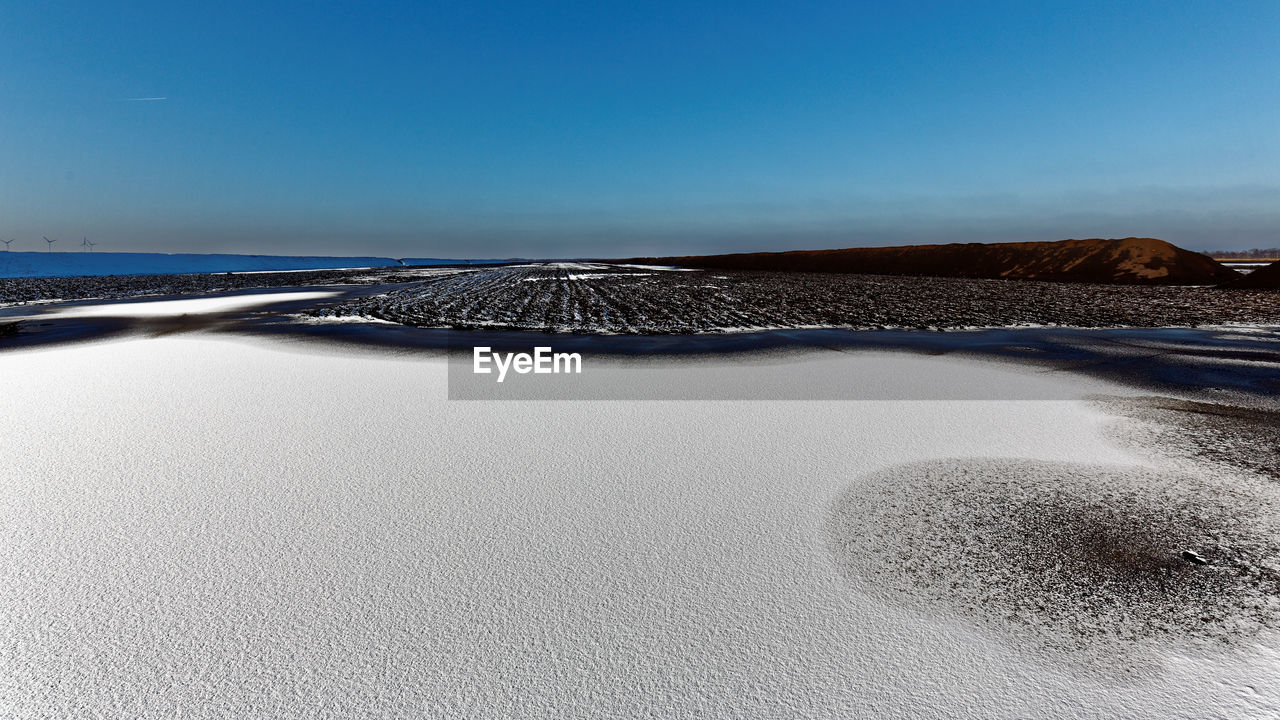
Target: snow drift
{"x":202,"y":528}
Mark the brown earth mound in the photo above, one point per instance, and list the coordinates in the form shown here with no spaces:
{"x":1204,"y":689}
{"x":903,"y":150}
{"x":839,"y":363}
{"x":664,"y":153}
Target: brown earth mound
{"x":1267,"y":276}
{"x":1128,"y":261}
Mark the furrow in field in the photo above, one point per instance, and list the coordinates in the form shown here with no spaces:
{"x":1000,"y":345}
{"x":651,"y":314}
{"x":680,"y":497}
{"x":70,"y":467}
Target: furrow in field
{"x":587,"y":298}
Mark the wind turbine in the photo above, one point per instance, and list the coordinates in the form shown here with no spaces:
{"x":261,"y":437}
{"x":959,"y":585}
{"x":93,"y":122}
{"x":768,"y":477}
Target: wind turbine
{"x":87,"y":245}
{"x":91,"y":244}
{"x":6,"y":244}
{"x":51,"y":242}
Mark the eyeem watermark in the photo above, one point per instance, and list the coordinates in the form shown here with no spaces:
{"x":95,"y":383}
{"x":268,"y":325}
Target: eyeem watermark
{"x":542,"y":361}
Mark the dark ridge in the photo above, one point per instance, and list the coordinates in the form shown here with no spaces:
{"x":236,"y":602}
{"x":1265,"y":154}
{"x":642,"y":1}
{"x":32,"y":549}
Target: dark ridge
{"x":1264,"y":278}
{"x":1135,"y":261}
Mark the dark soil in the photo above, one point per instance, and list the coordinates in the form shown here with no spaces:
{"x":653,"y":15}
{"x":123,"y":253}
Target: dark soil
{"x":626,"y":300}
{"x":1266,"y":277}
{"x":1128,"y":260}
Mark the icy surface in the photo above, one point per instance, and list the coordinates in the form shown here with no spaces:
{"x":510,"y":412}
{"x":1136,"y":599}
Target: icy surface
{"x":171,"y":308}
{"x":69,"y":264}
{"x":212,"y":528}
{"x":27,"y":291}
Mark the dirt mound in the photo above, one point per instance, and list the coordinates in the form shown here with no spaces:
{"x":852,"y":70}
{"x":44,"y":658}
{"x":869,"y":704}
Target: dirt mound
{"x":1129,"y":261}
{"x":1266,"y":277}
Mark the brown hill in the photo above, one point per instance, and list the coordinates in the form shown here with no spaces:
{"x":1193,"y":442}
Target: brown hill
{"x":1130,"y":261}
{"x":1267,"y":276}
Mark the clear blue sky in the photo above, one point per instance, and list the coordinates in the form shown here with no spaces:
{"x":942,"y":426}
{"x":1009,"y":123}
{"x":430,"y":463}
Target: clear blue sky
{"x":476,"y":128}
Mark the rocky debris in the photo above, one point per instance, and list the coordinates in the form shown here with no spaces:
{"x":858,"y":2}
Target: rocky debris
{"x":1192,"y":558}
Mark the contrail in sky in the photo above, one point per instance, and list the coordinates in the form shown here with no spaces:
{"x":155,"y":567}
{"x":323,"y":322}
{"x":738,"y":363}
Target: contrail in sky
{"x":144,"y":99}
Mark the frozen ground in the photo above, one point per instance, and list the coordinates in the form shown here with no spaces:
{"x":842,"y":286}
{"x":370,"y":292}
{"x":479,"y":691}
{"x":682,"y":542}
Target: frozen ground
{"x":643,"y":300}
{"x":40,"y":290}
{"x":168,"y":308}
{"x":595,"y":298}
{"x":199,"y":526}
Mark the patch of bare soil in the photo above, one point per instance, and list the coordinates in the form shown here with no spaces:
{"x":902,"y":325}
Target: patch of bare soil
{"x":1071,"y":556}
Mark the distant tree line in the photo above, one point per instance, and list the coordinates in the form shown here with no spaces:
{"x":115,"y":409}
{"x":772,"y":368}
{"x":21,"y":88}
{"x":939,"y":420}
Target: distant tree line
{"x":1254,"y":254}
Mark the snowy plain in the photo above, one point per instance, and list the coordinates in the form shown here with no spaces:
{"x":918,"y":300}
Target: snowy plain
{"x":164,"y":308}
{"x":227,"y":526}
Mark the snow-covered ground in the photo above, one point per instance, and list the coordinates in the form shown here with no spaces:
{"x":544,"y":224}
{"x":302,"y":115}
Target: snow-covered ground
{"x":167,"y":308}
{"x":198,"y":526}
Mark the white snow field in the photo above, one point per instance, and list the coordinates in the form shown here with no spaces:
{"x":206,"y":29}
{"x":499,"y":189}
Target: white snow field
{"x":165,"y":308}
{"x":203,"y":527}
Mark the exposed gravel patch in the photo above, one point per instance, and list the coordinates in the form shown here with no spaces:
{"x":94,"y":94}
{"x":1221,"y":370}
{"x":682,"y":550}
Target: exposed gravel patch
{"x":1072,"y":556}
{"x":583,"y":298}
